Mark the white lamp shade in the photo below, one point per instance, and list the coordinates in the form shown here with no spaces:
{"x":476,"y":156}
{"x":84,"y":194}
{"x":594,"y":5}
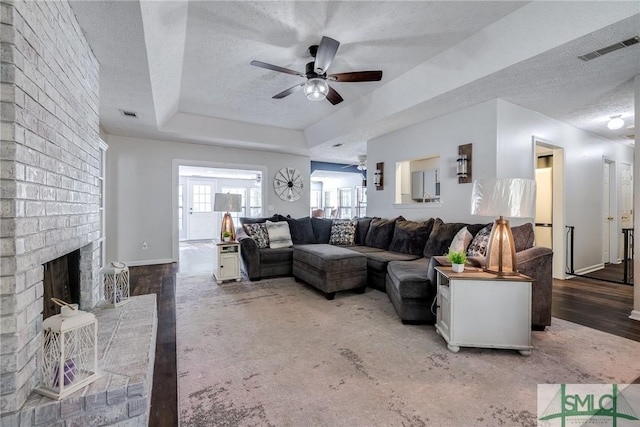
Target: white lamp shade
{"x":226,"y":202}
{"x":506,"y":197}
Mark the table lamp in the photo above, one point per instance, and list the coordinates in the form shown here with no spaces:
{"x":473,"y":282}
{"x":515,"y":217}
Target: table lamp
{"x":503,"y":197}
{"x":226,"y":202}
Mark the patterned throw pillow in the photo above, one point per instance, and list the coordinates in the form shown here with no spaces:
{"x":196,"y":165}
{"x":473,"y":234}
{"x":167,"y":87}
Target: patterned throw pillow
{"x":461,"y":240}
{"x":478,"y":246}
{"x":279,"y":234}
{"x":343,"y":232}
{"x":258,"y":232}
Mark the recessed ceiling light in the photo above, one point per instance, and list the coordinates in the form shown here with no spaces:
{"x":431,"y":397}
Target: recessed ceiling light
{"x":130,"y":114}
{"x":615,"y":123}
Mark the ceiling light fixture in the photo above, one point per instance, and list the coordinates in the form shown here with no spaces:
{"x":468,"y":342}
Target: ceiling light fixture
{"x":316,"y":89}
{"x":615,"y":123}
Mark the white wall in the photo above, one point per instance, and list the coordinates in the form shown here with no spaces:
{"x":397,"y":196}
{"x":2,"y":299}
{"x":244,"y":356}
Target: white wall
{"x":502,"y":136}
{"x":440,"y":137}
{"x":584,"y":155}
{"x":140,"y":187}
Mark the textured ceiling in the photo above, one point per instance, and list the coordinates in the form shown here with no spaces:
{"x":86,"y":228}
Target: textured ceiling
{"x":183,"y":66}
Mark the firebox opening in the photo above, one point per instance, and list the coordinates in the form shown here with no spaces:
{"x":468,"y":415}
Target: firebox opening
{"x":62,"y":281}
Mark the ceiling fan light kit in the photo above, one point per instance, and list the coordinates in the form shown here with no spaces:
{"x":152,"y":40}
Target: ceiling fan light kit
{"x":316,"y":87}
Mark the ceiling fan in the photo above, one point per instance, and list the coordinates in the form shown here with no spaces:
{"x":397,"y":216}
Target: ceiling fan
{"x":316,"y":87}
{"x":362,"y":163}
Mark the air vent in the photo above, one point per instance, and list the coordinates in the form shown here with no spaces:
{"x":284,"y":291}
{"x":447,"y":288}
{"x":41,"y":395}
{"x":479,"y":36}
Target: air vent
{"x":130,"y":114}
{"x":609,"y":49}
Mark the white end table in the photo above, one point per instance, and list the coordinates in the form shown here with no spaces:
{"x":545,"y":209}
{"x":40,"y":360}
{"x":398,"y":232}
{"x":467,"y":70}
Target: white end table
{"x":480,"y":309}
{"x":226,"y":261}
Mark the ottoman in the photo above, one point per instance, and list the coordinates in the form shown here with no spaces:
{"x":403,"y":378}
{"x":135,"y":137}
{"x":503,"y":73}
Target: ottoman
{"x":330,"y":268}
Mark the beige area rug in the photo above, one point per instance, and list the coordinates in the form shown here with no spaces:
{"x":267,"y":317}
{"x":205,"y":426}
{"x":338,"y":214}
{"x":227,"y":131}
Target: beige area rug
{"x":277,"y":353}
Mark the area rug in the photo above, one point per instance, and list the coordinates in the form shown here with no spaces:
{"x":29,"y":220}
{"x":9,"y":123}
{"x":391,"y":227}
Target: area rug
{"x":277,"y":353}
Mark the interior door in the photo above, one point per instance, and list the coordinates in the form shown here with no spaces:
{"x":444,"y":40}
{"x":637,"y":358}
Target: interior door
{"x":201,"y":219}
{"x":607,"y":217}
{"x":626,"y":203}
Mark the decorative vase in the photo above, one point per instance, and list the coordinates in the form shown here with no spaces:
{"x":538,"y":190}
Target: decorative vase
{"x":227,"y":239}
{"x":457,"y":268}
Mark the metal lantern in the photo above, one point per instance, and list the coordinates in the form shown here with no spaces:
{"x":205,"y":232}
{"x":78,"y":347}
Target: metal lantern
{"x":115,"y":284}
{"x":69,"y":358}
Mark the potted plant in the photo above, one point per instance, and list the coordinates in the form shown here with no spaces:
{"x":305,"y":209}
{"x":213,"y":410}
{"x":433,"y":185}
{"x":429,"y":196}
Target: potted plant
{"x":457,"y":260}
{"x":226,"y":236}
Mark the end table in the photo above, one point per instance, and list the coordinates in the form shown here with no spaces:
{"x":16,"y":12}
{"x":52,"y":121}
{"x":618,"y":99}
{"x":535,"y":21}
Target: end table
{"x":226,"y":261}
{"x":480,"y":309}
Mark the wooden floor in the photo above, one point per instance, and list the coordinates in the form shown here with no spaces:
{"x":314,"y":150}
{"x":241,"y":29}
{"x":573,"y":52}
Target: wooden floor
{"x":596,"y":304}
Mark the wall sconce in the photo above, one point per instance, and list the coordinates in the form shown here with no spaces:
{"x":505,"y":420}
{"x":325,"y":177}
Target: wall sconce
{"x":463,"y":166}
{"x":378,"y":175}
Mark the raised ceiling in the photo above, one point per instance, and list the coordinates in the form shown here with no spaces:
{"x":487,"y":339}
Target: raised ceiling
{"x":183,"y":67}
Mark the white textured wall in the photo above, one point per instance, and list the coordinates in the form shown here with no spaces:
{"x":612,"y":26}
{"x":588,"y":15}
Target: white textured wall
{"x":584,"y":155}
{"x":441,"y":136}
{"x":635,"y":314}
{"x":140,"y":187}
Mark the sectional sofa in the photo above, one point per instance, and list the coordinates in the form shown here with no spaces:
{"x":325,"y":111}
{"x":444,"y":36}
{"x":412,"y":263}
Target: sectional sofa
{"x":401,"y":257}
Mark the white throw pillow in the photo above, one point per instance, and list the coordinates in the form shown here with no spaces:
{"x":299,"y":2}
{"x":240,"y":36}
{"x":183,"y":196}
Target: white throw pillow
{"x":461,"y":240}
{"x":279,"y":234}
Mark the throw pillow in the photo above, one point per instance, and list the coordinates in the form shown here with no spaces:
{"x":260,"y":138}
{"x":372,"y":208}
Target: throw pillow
{"x":478,"y":246}
{"x":343,"y":232}
{"x":279,"y":234}
{"x":461,"y":240}
{"x":321,"y":229}
{"x":258,"y":232}
{"x":380,"y":232}
{"x":441,"y":237}
{"x":361,"y":229}
{"x":409,"y":237}
{"x":301,"y":230}
{"x":523,"y":236}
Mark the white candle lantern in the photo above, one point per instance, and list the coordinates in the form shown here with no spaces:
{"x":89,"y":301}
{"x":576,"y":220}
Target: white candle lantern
{"x":69,"y":359}
{"x":115,"y":277}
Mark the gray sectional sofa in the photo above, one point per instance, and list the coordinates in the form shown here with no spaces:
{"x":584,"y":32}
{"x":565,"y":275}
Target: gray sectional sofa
{"x":401,"y":257}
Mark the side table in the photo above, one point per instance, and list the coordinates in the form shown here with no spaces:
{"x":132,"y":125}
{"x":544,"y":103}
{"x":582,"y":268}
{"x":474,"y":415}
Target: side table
{"x":479,"y":309}
{"x":226,"y":261}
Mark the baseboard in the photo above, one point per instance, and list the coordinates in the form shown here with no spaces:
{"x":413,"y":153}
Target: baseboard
{"x":149,"y":262}
{"x":635,"y":315}
{"x":589,"y":269}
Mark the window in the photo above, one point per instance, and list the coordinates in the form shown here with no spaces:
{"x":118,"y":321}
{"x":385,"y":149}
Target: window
{"x":344,"y":203}
{"x":202,"y":198}
{"x":361,"y":201}
{"x":255,"y":202}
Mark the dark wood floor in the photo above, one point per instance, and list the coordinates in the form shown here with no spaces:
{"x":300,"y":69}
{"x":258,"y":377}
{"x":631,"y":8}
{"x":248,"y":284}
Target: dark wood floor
{"x":599,"y":305}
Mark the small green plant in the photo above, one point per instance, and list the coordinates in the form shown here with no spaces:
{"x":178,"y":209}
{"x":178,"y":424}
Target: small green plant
{"x":457,"y":257}
{"x":226,"y":234}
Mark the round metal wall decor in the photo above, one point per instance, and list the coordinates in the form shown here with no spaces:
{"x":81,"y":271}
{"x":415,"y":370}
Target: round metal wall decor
{"x":288,"y":184}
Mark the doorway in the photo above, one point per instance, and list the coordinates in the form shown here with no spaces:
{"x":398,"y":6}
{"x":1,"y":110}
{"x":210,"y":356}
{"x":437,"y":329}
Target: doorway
{"x":550,"y":224}
{"x":609,"y":252}
{"x":196,"y":222}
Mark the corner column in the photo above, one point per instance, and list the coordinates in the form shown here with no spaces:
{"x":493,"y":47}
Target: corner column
{"x":635,"y":313}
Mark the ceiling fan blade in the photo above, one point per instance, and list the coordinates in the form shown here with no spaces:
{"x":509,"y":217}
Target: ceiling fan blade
{"x":288,"y":91}
{"x":276,"y":68}
{"x":357,"y":76}
{"x":333,"y":96}
{"x":326,"y":52}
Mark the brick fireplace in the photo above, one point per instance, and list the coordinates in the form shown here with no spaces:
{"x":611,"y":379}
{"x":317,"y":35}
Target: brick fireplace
{"x":50,"y":186}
